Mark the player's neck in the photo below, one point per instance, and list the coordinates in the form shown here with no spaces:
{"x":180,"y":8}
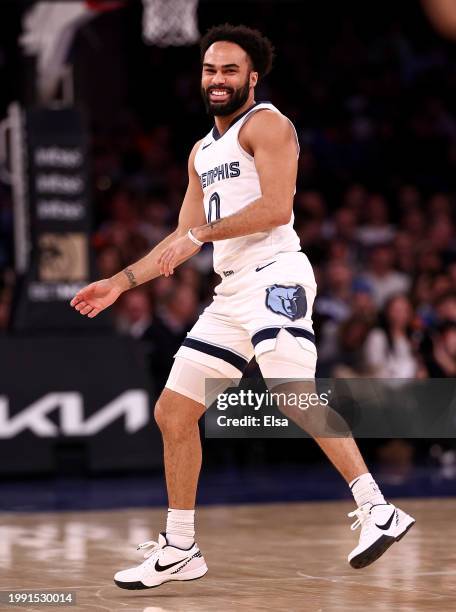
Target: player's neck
{"x":223,"y":123}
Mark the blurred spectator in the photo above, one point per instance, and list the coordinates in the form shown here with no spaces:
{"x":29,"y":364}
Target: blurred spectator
{"x":355,"y":199}
{"x":376,"y":228}
{"x":335,"y":301}
{"x":345,"y":223}
{"x":333,"y":306}
{"x":429,"y":260}
{"x":441,"y":285}
{"x":440,"y":205}
{"x":414,"y":223}
{"x":175,"y":314}
{"x":179,"y":309}
{"x":162,"y":287}
{"x":384,"y":280}
{"x":349,"y":356}
{"x":190,"y":276}
{"x":109,"y":261}
{"x":311,"y":204}
{"x":153,"y":224}
{"x":445,"y":306}
{"x":310,"y":234}
{"x":134,"y":314}
{"x":422,"y":298}
{"x":341,"y":232}
{"x":163,"y":330}
{"x":441,"y":237}
{"x":452,"y":272}
{"x":363,"y":305}
{"x":441,"y":363}
{"x":389,"y":352}
{"x":405,"y":253}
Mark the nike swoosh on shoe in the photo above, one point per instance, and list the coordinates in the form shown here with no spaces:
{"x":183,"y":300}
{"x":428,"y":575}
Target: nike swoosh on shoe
{"x":162,"y":568}
{"x":387,"y":525}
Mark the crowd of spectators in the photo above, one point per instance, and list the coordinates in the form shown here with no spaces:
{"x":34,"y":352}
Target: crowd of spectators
{"x":386,"y":304}
{"x":375,"y":202}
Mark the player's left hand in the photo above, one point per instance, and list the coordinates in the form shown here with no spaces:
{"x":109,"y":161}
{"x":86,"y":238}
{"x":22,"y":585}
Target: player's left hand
{"x":178,"y":251}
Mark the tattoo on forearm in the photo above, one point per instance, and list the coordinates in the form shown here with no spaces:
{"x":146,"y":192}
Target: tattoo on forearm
{"x":131,"y":277}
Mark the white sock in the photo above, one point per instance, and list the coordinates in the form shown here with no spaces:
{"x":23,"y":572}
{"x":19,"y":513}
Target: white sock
{"x":365,"y":490}
{"x":180,"y":528}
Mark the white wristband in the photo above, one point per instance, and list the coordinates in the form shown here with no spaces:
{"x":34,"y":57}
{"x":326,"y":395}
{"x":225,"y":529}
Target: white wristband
{"x":193,"y":239}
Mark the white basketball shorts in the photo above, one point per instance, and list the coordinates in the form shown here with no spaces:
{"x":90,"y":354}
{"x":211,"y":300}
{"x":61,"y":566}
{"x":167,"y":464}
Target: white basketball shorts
{"x":250,"y":307}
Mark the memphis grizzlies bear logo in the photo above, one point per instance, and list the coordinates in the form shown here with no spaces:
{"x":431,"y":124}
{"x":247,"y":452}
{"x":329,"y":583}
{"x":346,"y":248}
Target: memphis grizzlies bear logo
{"x":288,"y":301}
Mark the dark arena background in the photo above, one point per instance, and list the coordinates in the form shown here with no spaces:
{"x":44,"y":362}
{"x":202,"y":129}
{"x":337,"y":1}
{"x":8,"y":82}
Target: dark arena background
{"x":100,"y":105}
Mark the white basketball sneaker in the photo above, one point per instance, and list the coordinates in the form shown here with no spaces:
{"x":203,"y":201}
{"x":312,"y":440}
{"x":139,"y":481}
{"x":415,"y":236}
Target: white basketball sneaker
{"x":381,"y":526}
{"x":163,"y":563}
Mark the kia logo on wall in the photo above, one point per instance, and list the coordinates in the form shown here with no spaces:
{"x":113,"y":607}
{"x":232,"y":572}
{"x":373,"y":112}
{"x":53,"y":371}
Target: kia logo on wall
{"x":132,"y":405}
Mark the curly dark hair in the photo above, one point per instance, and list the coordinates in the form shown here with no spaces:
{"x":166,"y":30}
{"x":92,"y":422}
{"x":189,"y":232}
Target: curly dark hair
{"x":258,"y":47}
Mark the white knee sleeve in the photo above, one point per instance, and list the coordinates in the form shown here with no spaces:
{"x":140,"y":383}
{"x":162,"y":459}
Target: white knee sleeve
{"x":288,"y":359}
{"x":189,"y":378}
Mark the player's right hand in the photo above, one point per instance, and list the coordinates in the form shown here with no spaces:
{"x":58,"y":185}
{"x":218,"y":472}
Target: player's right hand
{"x":94,"y":298}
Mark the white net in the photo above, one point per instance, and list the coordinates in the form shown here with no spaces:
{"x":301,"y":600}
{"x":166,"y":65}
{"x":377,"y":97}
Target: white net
{"x":170,"y":22}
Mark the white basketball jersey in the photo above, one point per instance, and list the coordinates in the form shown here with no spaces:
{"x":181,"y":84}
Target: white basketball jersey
{"x":230,"y":181}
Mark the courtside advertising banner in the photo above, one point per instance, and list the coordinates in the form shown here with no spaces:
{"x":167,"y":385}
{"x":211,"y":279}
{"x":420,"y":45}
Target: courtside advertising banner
{"x":74,"y":405}
{"x":59,"y":220}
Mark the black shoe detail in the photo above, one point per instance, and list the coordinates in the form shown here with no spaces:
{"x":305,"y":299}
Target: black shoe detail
{"x":137,"y":586}
{"x":376,"y":549}
{"x":197,"y":554}
{"x":387,"y":525}
{"x":131,"y":586}
{"x":162,"y":568}
{"x":258,"y":269}
{"x":404,"y":532}
{"x":372,"y":553}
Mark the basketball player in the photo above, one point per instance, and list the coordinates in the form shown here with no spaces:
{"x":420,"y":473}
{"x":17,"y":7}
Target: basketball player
{"x":240,"y":197}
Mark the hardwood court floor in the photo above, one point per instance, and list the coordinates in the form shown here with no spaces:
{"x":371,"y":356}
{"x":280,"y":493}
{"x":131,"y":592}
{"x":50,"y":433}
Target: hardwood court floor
{"x":274,"y":557}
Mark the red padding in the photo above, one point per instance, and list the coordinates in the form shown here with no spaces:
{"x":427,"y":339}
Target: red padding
{"x":105,"y":5}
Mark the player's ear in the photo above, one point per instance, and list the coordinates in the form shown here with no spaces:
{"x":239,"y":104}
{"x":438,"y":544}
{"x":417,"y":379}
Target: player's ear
{"x":253,"y":78}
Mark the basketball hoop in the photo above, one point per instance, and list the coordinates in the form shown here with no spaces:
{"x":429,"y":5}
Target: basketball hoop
{"x":170,"y":22}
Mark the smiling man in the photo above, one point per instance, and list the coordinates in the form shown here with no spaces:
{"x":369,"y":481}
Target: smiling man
{"x":240,"y":193}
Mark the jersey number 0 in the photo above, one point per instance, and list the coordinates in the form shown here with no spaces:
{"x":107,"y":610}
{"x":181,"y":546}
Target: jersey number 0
{"x":214,"y":202}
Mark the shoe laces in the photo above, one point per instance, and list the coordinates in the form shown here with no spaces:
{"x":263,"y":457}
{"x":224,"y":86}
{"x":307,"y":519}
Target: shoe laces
{"x":151,"y":547}
{"x":362,"y":515}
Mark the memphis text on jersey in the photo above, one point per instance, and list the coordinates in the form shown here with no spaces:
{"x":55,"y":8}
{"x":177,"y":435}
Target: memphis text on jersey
{"x":220,"y":173}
